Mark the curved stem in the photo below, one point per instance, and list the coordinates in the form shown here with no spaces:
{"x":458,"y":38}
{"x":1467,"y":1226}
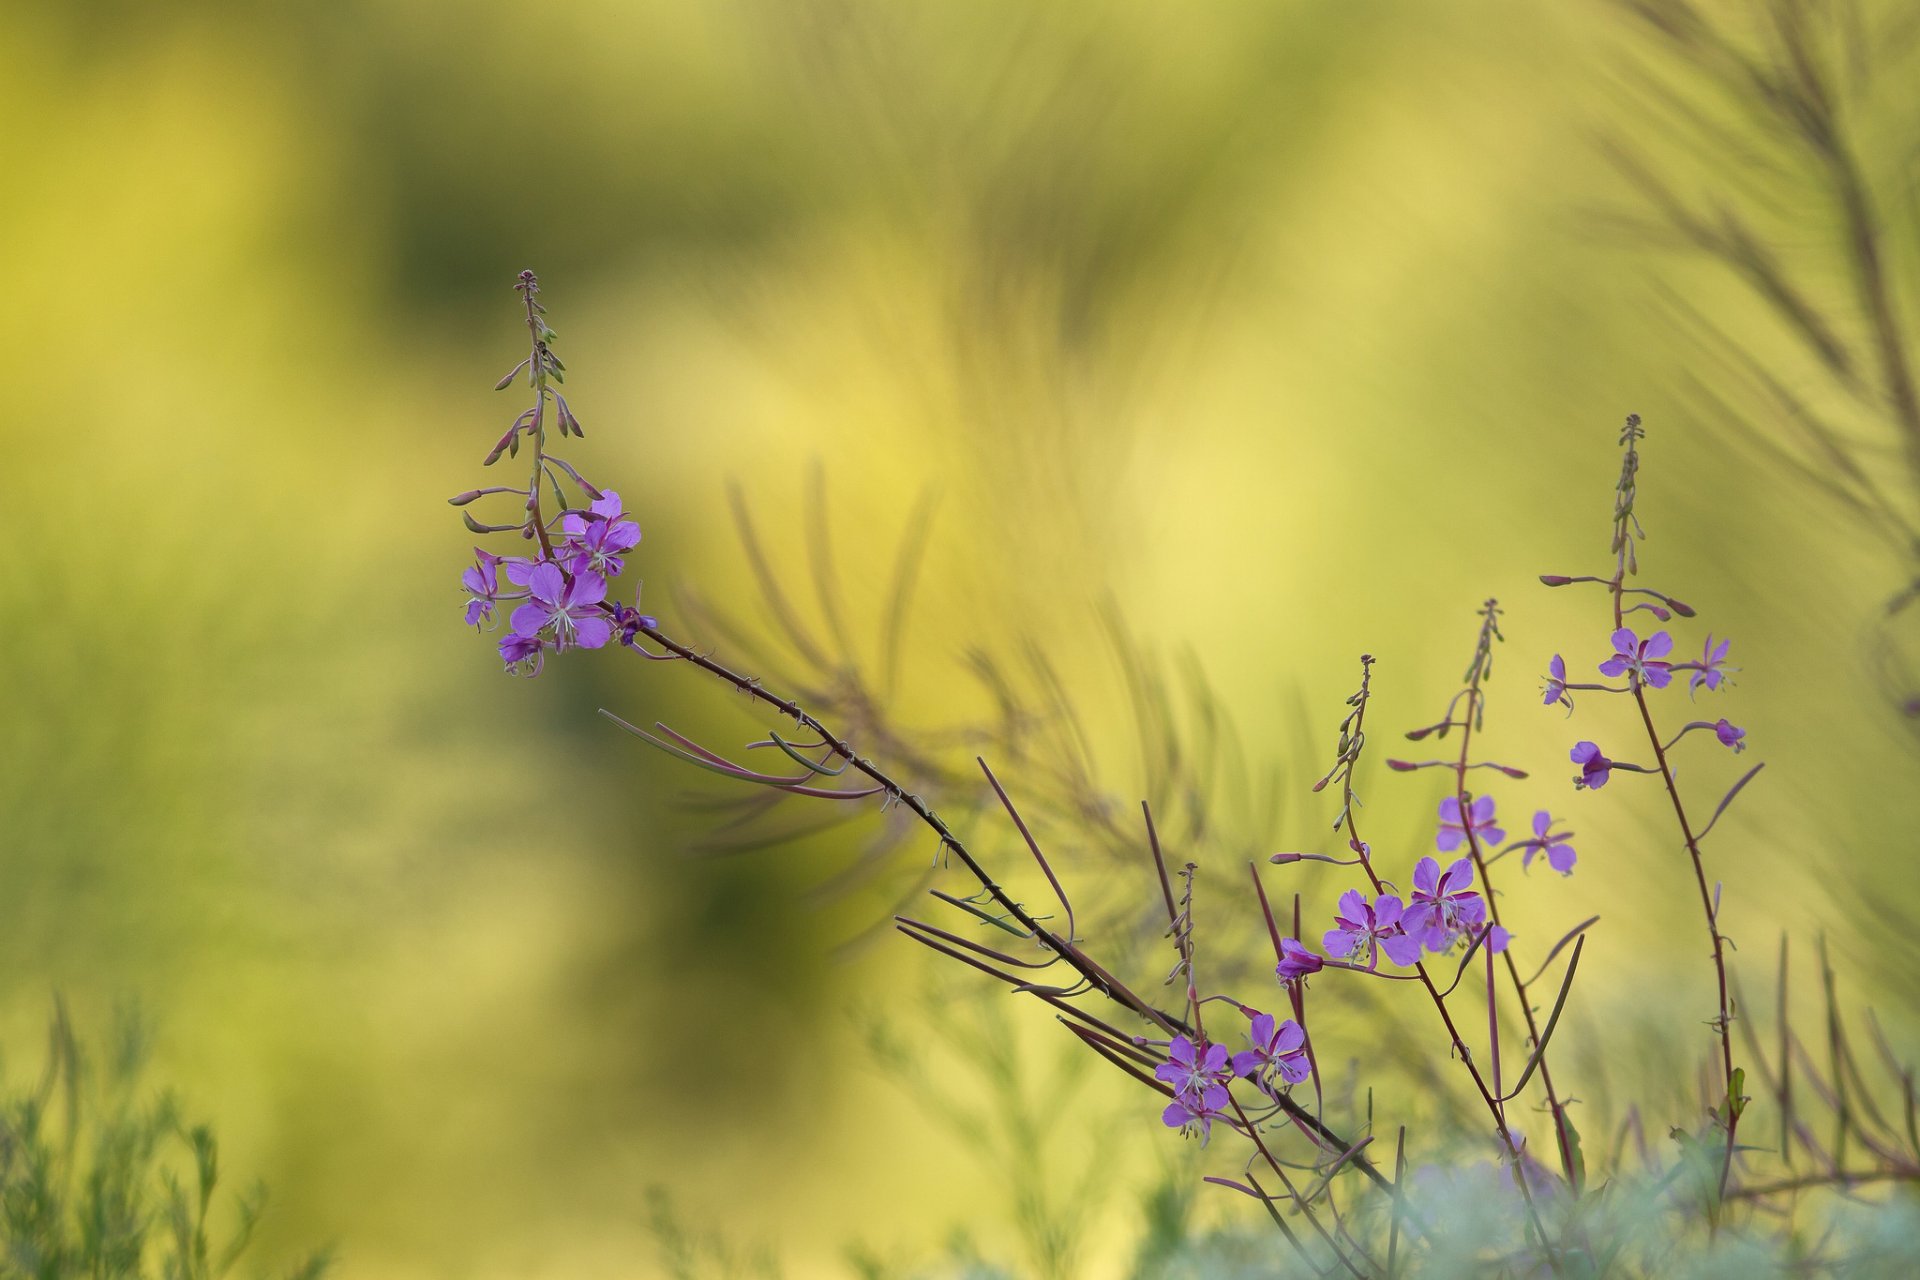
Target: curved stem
{"x":1089,"y":971}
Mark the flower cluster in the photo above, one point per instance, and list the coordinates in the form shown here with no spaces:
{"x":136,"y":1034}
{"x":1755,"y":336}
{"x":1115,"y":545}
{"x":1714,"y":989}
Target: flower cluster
{"x":1200,"y":1073}
{"x":562,"y":588}
{"x":1644,"y":663}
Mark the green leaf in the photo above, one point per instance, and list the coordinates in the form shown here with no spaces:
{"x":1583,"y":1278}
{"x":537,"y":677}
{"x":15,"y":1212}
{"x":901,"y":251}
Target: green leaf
{"x":1576,"y":1159}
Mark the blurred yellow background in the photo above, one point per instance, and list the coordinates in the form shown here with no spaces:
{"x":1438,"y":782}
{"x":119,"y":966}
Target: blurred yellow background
{"x":1293,"y":330}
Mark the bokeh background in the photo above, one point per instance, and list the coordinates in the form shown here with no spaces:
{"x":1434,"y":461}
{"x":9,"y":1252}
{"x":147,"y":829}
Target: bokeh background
{"x":1281,"y":331}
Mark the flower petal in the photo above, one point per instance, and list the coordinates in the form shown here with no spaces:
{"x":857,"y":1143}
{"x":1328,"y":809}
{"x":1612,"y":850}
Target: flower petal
{"x":1426,"y":877}
{"x":547,"y":583}
{"x":529,"y":618}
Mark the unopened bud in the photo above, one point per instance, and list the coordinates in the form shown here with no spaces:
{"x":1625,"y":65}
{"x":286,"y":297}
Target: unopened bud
{"x":1555,"y":579}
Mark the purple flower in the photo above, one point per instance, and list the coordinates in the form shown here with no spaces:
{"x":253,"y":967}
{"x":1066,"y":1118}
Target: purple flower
{"x":1296,"y":962}
{"x":1198,"y":1112}
{"x":1278,"y":1048}
{"x":1479,"y":821}
{"x":596,"y":539}
{"x":1595,"y":768}
{"x":1361,"y":929}
{"x":1193,"y":1071}
{"x":522,"y":654}
{"x":1630,"y":653}
{"x":483,"y":587}
{"x":1444,"y":904}
{"x":570,"y":606}
{"x":1497,"y":937}
{"x":1560,"y":855}
{"x":1730,"y":735}
{"x":628,"y":620}
{"x":1556,"y":686}
{"x":1712,"y":669}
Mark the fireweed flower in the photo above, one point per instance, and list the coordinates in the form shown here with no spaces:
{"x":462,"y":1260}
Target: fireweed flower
{"x":1198,"y":1112}
{"x":1595,"y":768}
{"x":483,"y":587}
{"x":1712,"y":670}
{"x":596,"y":540}
{"x":1556,"y":686}
{"x":1279,"y":1048}
{"x":628,"y":620}
{"x":1444,"y":904}
{"x":1560,"y":854}
{"x":1642,"y":657}
{"x":1193,"y":1071}
{"x":1296,"y":962}
{"x":522,"y":654}
{"x":569,"y":606}
{"x":1730,"y":735}
{"x":1363,"y":929}
{"x":1479,"y":821}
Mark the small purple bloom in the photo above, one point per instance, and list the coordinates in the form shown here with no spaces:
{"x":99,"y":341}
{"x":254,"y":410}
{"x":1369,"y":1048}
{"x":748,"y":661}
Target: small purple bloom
{"x":1191,"y":1113}
{"x":1362,"y":928}
{"x":522,"y":654}
{"x":1497,"y":938}
{"x":1479,"y":821}
{"x":570,"y":606}
{"x":595,"y":540}
{"x":483,"y":587}
{"x":1560,"y":854}
{"x":1556,"y":686}
{"x":1444,"y":904}
{"x":1595,"y":768}
{"x":1296,"y":962}
{"x":1278,"y":1048}
{"x":1730,"y":735}
{"x":627,"y":622}
{"x":1641,"y":657}
{"x":1192,"y":1071}
{"x":1712,"y":670}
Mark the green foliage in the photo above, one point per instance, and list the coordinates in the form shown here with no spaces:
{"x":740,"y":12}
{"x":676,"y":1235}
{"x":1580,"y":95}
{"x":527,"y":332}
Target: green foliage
{"x":101,"y":1180}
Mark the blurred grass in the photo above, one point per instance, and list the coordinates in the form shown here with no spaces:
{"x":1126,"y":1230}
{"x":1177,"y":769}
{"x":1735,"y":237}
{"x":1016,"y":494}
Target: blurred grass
{"x":1288,"y":331}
